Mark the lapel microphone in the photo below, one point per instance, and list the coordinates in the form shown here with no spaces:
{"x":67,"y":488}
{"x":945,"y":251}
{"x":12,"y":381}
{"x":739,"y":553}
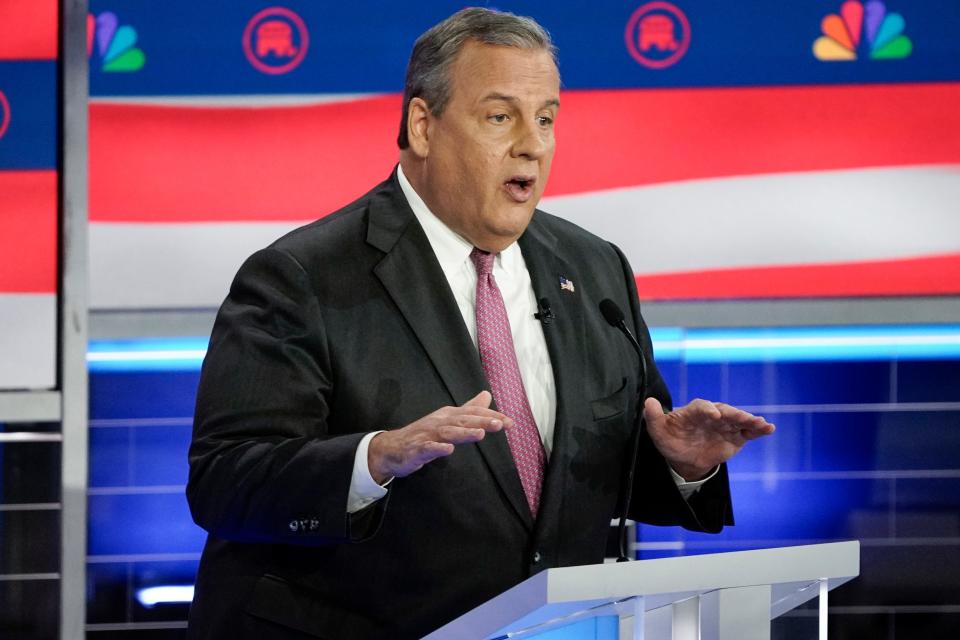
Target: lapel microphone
{"x":614,"y":317}
{"x":544,"y":314}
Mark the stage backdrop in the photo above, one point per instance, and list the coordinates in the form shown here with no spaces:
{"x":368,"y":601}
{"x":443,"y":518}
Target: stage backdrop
{"x":732,"y":149}
{"x":28,"y":194}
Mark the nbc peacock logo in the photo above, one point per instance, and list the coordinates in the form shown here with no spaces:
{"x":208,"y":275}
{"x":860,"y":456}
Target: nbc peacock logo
{"x":114,"y":42}
{"x":865,"y":28}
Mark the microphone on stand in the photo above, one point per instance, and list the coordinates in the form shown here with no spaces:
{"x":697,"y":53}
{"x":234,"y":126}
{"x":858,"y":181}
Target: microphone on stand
{"x":614,"y":317}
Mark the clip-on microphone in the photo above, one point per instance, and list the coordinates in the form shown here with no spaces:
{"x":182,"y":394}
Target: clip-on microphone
{"x":544,"y":314}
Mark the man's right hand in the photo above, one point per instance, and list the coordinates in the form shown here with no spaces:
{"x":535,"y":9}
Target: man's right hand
{"x":398,"y":453}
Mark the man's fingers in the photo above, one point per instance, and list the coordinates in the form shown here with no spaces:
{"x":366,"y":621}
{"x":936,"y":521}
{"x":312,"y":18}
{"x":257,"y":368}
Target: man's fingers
{"x":424,"y":453}
{"x":706,"y":409}
{"x":401,"y":452}
{"x":739,"y":416}
{"x":459,"y":435}
{"x":652,"y":409}
{"x":757,"y":429}
{"x":732,"y":414}
{"x":482,"y":399}
{"x":433,"y":450}
{"x":477,"y":407}
{"x":744,"y":421}
{"x":747,"y":434}
{"x":488,"y":420}
{"x":744,"y":418}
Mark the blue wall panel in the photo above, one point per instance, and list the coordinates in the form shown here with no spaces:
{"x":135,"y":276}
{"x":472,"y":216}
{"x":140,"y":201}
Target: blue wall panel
{"x":853,"y":457}
{"x":928,"y":382}
{"x":31,"y":90}
{"x":142,"y":523}
{"x":789,"y":450}
{"x":134,"y":394}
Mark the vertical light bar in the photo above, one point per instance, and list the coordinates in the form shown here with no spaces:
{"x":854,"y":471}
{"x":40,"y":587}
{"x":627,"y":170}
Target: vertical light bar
{"x":823,"y":609}
{"x":73,"y":316}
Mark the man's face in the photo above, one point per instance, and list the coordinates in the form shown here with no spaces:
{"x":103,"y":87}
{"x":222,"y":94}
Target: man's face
{"x":489,"y":153}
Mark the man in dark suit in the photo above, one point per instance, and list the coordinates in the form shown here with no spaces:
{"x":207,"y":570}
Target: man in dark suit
{"x":354,"y":478}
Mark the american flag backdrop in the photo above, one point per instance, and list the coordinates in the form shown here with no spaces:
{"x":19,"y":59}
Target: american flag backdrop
{"x":28,"y":194}
{"x":731,"y":149}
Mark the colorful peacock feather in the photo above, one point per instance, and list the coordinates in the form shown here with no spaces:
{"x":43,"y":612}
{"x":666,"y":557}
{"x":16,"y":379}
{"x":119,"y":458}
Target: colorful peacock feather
{"x":114,"y":43}
{"x":859,"y":23}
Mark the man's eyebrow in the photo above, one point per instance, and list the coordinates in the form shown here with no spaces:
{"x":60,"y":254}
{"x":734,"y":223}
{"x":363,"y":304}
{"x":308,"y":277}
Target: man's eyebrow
{"x":493,"y":97}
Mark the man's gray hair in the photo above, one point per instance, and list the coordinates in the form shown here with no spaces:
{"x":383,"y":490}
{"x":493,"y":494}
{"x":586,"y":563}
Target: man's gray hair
{"x":428,"y":73}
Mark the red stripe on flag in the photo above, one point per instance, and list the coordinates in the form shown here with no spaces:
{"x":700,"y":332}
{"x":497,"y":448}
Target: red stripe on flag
{"x":625,"y":138}
{"x":28,"y":30}
{"x":28,"y":231}
{"x":183,"y":164}
{"x":936,"y":275}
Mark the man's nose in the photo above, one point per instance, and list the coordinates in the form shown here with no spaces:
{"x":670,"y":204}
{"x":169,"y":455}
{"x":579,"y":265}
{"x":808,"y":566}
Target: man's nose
{"x":531,"y":141}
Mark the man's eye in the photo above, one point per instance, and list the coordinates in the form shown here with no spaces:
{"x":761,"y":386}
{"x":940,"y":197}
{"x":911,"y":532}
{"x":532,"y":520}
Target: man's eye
{"x":544,"y":121}
{"x":499,"y":118}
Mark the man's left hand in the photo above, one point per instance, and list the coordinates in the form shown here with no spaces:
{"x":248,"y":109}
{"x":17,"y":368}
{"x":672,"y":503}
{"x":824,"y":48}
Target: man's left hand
{"x":696,"y":438}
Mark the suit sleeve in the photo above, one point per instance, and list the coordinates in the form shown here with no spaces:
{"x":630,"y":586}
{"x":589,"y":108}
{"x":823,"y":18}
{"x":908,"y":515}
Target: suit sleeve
{"x":656,"y":499}
{"x":263,"y":465}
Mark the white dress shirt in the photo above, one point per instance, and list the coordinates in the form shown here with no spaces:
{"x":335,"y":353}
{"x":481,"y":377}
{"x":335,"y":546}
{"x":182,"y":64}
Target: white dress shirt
{"x":513,"y":280}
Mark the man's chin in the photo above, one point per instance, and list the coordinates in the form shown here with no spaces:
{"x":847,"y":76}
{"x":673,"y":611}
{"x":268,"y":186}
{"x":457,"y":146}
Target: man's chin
{"x":507,"y":233}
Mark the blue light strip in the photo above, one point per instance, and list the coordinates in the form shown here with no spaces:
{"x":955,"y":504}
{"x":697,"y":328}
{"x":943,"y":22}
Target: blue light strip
{"x":147,"y":354}
{"x":165,"y":594}
{"x":809,"y":344}
{"x":779,"y":344}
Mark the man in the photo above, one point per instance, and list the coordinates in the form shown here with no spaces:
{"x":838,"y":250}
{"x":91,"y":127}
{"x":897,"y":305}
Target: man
{"x":347,"y":462}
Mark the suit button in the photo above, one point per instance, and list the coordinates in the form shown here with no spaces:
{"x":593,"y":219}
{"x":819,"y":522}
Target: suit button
{"x":536,"y":557}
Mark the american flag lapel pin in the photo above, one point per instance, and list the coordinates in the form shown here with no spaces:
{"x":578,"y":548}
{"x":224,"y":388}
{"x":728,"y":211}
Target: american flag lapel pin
{"x":566,"y":285}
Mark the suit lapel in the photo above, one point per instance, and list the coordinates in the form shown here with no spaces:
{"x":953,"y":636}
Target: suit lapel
{"x":414,"y":280}
{"x":565,"y":338}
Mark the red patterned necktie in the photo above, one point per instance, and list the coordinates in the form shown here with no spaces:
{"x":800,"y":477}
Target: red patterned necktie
{"x":499,"y":360}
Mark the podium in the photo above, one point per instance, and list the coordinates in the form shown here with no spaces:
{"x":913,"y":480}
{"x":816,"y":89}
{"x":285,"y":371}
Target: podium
{"x":722,"y":596}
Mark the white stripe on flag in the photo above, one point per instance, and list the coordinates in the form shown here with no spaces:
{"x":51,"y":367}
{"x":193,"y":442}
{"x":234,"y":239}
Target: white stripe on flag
{"x":28,"y":341}
{"x":801,"y":218}
{"x":782,"y":219}
{"x":171,"y":265}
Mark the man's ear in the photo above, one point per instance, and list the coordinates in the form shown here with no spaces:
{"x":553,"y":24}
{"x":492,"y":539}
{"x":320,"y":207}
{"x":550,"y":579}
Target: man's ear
{"x":418,"y":126}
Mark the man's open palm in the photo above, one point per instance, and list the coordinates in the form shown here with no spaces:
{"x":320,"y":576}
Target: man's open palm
{"x":696,"y":438}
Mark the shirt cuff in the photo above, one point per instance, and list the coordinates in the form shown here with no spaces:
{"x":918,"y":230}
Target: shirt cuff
{"x":687,"y":489}
{"x":364,"y":490}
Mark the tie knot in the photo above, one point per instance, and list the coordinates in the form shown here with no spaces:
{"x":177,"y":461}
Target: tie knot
{"x":482,"y":261}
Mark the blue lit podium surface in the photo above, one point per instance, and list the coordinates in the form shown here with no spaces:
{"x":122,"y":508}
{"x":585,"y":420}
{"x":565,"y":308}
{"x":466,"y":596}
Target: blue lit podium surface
{"x":723,"y":596}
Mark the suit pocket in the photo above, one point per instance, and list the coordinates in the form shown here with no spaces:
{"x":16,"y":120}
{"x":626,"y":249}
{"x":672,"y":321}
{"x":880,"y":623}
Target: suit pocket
{"x":611,"y":406}
{"x":302,"y":609}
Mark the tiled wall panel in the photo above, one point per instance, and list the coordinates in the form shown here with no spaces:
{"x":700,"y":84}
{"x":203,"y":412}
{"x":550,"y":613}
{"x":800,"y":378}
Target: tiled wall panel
{"x":867,"y":450}
{"x":141,"y":533}
{"x":29,"y":534}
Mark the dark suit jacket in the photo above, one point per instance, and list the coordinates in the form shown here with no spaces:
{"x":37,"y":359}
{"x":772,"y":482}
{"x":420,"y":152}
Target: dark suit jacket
{"x":348,"y":325}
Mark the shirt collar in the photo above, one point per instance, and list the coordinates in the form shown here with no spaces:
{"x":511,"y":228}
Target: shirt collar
{"x":451,"y":249}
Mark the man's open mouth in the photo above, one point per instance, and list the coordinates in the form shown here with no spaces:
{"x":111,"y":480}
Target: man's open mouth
{"x":520,"y":188}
